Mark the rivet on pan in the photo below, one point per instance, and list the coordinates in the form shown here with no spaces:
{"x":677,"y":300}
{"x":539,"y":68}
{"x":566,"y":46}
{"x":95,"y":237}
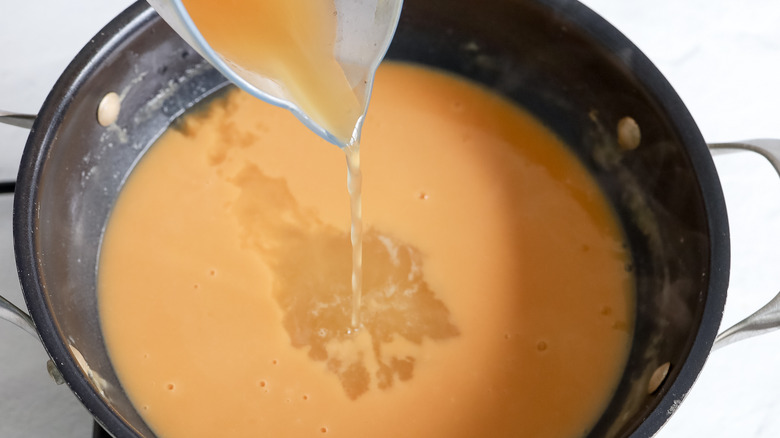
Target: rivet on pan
{"x":108,"y":109}
{"x":54,"y":372}
{"x":658,"y":377}
{"x":628,"y":133}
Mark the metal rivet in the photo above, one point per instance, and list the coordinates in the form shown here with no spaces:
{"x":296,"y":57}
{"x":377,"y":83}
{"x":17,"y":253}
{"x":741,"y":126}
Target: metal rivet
{"x":658,"y":377}
{"x":628,"y":134}
{"x":108,"y":109}
{"x":54,"y":372}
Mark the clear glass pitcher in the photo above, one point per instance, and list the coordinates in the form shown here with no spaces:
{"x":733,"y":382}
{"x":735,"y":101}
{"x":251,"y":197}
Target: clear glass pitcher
{"x":364,"y":31}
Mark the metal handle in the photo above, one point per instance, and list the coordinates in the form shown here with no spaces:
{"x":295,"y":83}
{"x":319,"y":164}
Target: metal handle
{"x":8,"y":311}
{"x":19,"y":318}
{"x":16,"y":119}
{"x":767,"y":318}
{"x":16,"y":316}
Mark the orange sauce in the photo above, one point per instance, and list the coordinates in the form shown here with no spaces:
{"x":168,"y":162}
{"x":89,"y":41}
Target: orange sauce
{"x":290,"y":42}
{"x":496,"y":299}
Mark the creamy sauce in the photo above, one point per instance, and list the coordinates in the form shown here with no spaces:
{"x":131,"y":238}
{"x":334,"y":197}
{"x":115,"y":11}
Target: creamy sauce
{"x":496,"y":300}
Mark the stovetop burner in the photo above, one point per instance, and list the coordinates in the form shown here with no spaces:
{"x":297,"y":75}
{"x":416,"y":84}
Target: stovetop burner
{"x":98,"y":432}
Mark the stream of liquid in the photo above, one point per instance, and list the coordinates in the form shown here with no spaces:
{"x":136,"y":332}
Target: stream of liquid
{"x":291,"y":43}
{"x":355,"y":187}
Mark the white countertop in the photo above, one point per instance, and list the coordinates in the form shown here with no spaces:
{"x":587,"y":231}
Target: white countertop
{"x":722,"y":57}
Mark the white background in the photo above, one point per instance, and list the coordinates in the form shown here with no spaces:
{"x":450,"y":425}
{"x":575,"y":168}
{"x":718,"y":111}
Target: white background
{"x":722,"y":57}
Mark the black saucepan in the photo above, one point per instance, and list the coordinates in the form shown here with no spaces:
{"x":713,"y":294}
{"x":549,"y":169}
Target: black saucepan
{"x":557,"y":58}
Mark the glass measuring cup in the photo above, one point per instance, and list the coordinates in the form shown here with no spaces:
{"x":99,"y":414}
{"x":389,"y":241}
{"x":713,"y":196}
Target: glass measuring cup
{"x":364,"y":31}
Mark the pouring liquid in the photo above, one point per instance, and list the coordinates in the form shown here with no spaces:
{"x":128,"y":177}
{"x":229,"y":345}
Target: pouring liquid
{"x":291,"y":42}
{"x":355,"y":187}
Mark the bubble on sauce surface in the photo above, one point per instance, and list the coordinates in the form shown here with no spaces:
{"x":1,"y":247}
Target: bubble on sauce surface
{"x":620,"y":325}
{"x":311,"y":262}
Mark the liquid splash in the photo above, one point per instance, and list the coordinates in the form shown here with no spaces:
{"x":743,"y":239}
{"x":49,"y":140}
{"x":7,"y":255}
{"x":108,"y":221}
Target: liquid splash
{"x":311,"y":265}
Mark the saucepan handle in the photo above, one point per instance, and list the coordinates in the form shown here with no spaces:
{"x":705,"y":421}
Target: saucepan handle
{"x":17,"y":317}
{"x":8,"y":311}
{"x":767,"y":318}
{"x":16,"y":119}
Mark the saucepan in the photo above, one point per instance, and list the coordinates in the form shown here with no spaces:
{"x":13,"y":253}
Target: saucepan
{"x":556,"y":58}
